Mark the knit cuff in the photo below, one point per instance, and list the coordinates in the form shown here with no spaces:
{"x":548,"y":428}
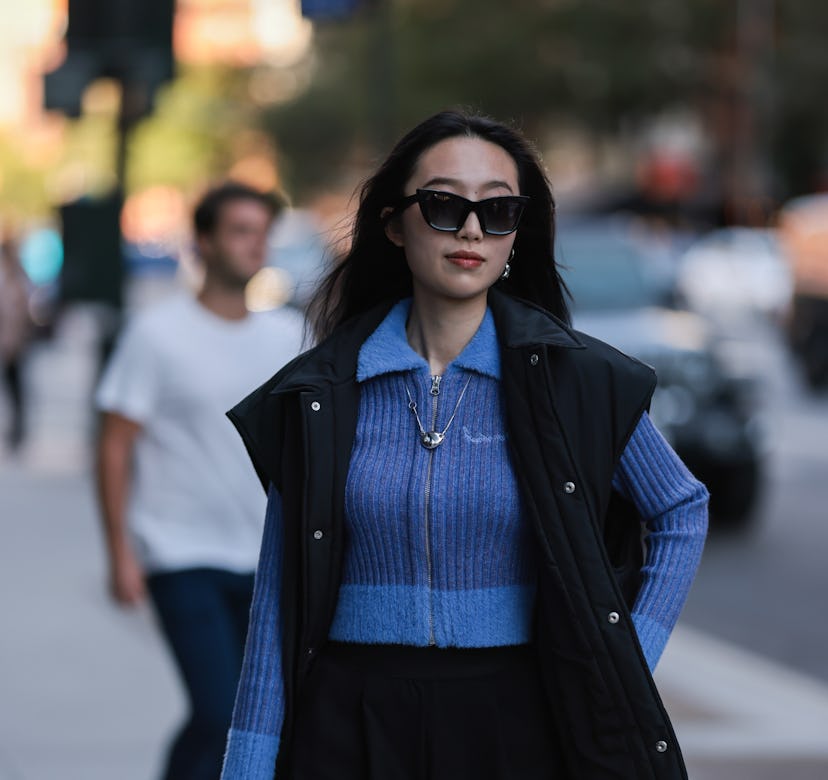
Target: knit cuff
{"x":249,"y":756}
{"x":652,"y":637}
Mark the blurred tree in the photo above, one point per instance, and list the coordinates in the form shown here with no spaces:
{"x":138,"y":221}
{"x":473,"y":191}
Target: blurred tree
{"x":598,"y":60}
{"x":800,"y":138}
{"x":189,"y":138}
{"x":530,"y":61}
{"x":750,"y":68}
{"x":602,"y":66}
{"x":22,"y":182}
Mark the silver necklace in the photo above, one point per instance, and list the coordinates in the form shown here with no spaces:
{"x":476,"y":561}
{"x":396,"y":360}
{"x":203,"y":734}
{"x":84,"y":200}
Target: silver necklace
{"x":433,"y":439}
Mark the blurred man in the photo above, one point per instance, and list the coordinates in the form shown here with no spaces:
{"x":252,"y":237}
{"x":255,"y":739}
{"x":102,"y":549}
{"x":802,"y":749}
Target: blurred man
{"x":182,"y":509}
{"x":15,"y":333}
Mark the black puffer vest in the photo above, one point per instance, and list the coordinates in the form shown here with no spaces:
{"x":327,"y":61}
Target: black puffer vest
{"x":572,"y":404}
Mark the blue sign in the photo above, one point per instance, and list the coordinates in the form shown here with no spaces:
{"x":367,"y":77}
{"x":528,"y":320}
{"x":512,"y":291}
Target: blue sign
{"x":328,"y":9}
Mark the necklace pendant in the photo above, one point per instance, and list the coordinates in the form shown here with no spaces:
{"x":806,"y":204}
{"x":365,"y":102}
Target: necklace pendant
{"x":431,"y":439}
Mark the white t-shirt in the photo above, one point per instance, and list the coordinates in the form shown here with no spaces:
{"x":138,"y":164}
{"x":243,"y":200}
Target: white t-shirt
{"x":194,"y":499}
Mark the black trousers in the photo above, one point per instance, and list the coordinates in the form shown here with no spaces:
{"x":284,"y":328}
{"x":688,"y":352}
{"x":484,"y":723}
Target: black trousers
{"x":375,"y":712}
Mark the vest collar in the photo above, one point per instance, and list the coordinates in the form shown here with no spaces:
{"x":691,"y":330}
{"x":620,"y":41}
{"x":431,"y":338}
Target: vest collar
{"x":523,"y":324}
{"x":515,"y":322}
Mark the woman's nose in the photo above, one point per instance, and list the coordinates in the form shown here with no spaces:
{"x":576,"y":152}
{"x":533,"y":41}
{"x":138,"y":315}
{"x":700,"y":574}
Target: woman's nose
{"x":471,"y":229}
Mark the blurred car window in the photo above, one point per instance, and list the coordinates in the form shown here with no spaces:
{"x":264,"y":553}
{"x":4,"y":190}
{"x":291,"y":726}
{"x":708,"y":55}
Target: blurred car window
{"x":609,"y":267}
{"x":737,"y":271}
{"x":623,"y":289}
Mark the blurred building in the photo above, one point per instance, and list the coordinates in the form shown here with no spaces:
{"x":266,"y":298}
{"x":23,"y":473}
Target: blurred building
{"x":30,"y":32}
{"x":33,"y":43}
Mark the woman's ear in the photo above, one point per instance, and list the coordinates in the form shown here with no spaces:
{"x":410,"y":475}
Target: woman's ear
{"x":392,"y":227}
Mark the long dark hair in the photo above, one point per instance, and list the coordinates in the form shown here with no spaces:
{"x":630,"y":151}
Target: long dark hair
{"x":374,"y":269}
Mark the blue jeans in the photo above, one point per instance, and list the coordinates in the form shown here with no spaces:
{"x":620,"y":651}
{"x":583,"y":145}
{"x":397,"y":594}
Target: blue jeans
{"x":203,"y":614}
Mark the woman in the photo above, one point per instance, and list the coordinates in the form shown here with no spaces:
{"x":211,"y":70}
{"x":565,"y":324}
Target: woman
{"x":451,"y":583}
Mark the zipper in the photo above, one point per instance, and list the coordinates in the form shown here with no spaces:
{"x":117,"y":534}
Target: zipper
{"x":435,"y":393}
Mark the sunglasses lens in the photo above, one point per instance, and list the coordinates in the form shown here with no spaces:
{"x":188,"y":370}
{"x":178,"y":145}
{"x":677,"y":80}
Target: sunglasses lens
{"x":444,"y":211}
{"x":501,"y":215}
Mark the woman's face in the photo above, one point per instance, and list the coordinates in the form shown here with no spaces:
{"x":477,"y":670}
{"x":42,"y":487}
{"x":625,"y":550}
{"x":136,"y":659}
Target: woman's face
{"x":463,"y":265}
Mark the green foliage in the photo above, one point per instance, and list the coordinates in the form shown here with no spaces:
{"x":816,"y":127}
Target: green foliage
{"x":601,"y":63}
{"x":315,"y":138}
{"x":527,"y":61}
{"x":22,"y":183}
{"x":30,"y":183}
{"x":800,"y":67}
{"x":189,"y":137}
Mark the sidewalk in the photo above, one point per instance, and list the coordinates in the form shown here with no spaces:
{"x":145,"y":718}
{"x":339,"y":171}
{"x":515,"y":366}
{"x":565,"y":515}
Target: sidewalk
{"x":87,"y":691}
{"x":741,"y":717}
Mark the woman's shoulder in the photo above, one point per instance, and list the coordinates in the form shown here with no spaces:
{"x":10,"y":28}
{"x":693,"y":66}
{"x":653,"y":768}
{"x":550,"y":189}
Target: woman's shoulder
{"x":524,"y":323}
{"x":596,"y":349}
{"x":580,"y":360}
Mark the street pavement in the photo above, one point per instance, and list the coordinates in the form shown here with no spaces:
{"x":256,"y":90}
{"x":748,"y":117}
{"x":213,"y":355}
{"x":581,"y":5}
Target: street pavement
{"x":87,"y":691}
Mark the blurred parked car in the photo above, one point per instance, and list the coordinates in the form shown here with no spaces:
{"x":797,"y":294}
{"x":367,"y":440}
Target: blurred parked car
{"x":705,"y":404}
{"x":737,"y":271}
{"x":803,"y":225}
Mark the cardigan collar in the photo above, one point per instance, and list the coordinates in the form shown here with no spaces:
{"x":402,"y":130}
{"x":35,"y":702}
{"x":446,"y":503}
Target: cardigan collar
{"x":387,"y":349}
{"x":517,"y":324}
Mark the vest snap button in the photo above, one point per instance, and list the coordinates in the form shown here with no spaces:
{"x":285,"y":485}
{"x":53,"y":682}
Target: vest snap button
{"x":316,"y":406}
{"x":613,"y":617}
{"x":533,"y":359}
{"x":318,"y":535}
{"x":661,"y":746}
{"x":569,"y":487}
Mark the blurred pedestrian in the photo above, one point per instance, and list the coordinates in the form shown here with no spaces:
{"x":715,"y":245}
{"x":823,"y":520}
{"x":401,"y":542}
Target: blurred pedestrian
{"x":15,"y":336}
{"x":452,"y":583}
{"x":181,"y":507}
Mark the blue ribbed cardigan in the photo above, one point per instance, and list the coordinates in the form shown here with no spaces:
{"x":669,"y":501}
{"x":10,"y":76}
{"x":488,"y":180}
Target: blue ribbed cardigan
{"x":438,"y":552}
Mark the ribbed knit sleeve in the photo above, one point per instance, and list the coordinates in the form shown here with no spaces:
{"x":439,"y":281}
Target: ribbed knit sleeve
{"x":253,"y":741}
{"x":673,"y":505}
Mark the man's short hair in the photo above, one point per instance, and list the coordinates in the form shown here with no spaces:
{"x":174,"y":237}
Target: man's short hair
{"x":207,"y":210}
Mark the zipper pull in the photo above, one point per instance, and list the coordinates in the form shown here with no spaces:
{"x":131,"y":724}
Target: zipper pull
{"x":435,"y":384}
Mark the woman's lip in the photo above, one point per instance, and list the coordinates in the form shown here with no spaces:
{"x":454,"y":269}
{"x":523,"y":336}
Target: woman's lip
{"x":465,"y":256}
{"x":465,"y":262}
